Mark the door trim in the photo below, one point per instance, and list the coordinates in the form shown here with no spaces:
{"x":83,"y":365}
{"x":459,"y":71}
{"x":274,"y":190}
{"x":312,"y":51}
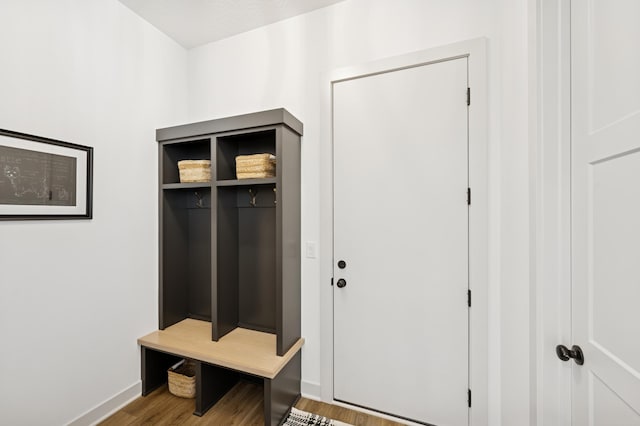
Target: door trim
{"x":479,"y":346}
{"x":551,"y":204}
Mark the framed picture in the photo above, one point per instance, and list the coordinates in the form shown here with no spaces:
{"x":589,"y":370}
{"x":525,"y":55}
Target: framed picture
{"x":43,"y":178}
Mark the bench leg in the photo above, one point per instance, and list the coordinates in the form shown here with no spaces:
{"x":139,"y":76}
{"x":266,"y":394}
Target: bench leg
{"x":154,"y":368}
{"x":212,"y":383}
{"x":282,"y":392}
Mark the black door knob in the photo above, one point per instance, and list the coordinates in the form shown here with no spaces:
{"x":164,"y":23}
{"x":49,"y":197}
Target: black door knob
{"x":341,"y":283}
{"x":342,"y":264}
{"x":575,"y":352}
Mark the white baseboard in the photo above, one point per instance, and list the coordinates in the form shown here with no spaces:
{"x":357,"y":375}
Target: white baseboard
{"x":108,"y":407}
{"x":311,"y":390}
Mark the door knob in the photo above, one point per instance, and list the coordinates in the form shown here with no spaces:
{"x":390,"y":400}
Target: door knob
{"x":341,"y":283}
{"x":575,"y":352}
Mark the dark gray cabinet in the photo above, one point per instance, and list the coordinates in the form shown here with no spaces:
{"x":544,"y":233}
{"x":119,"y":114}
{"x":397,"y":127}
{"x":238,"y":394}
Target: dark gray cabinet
{"x":230,"y":248}
{"x":230,"y":262}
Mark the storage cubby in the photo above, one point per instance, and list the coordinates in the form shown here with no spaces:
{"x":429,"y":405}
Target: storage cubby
{"x":244,"y":143}
{"x":246,"y":264}
{"x":171,"y":153}
{"x":185,"y":267}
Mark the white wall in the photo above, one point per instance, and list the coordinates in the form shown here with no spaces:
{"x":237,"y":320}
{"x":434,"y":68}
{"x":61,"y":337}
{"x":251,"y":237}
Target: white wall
{"x":285,"y":65}
{"x":75,"y":295}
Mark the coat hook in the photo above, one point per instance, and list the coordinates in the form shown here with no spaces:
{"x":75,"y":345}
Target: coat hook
{"x":252,"y":194}
{"x":199,"y":200}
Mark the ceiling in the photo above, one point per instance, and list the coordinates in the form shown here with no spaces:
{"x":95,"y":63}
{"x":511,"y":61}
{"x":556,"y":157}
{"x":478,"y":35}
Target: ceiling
{"x":192,"y":23}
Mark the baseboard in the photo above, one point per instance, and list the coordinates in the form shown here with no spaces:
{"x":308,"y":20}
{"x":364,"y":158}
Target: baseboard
{"x":108,"y":407}
{"x":311,"y":390}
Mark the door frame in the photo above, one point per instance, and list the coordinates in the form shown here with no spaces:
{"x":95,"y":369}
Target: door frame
{"x":479,"y":347}
{"x":550,"y":109}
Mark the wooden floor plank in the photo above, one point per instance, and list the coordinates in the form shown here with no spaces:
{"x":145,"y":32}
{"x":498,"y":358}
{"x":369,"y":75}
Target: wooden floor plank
{"x":241,"y":406}
{"x":343,"y":414}
{"x":121,"y":418}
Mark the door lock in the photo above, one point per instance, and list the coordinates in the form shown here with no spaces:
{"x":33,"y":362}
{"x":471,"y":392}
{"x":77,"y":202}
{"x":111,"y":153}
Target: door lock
{"x":341,"y":283}
{"x":575,"y":352}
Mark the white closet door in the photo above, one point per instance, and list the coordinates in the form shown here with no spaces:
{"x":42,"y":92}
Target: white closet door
{"x":606,"y":211}
{"x":401,"y":228}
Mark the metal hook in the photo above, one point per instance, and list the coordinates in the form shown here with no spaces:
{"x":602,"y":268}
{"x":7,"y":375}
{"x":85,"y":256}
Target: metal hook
{"x":252,"y":194}
{"x":199,"y":200}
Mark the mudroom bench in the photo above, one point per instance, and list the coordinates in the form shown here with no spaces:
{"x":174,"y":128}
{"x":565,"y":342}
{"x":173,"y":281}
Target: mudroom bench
{"x":220,"y":365}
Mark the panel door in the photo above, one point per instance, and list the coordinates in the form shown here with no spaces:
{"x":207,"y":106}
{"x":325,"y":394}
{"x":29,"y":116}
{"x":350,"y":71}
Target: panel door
{"x":606,"y":211}
{"x":401,"y":229}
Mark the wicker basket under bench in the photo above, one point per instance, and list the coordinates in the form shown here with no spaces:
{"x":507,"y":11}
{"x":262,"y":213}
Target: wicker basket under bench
{"x":220,"y":365}
{"x":182,"y":379}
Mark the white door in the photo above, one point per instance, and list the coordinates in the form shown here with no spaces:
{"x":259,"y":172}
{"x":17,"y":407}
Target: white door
{"x":606,"y":211}
{"x":401,"y":229}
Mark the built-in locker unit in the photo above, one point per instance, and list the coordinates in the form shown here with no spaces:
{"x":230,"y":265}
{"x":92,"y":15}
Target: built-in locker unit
{"x":230,"y":255}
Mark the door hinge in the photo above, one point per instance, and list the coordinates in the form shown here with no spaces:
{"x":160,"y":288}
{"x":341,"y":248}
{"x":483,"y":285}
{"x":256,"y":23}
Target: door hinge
{"x":331,"y":281}
{"x":468,"y":95}
{"x":469,"y":196}
{"x":469,"y":298}
{"x":469,"y":397}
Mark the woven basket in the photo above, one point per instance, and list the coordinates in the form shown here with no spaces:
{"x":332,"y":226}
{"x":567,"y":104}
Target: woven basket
{"x":255,"y":166}
{"x":182,"y":379}
{"x":195,"y":170}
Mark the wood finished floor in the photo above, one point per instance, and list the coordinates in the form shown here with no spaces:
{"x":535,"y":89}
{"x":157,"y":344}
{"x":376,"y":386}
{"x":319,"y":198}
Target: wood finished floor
{"x":242,"y":405}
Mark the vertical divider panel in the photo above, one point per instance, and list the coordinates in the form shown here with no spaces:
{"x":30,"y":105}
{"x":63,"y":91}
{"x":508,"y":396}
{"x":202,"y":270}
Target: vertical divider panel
{"x":288,"y":236}
{"x":282,"y":392}
{"x":154,"y":366}
{"x":212,"y":383}
{"x":225,"y":294}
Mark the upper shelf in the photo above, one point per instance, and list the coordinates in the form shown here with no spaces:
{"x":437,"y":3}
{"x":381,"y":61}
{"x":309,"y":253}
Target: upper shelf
{"x":246,"y":182}
{"x":189,"y":185}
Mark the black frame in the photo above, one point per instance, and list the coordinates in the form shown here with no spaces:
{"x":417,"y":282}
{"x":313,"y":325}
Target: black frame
{"x":88,"y":201}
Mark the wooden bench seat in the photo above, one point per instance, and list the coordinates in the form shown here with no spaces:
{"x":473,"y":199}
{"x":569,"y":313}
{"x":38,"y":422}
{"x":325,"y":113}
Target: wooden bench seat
{"x":218,"y":364}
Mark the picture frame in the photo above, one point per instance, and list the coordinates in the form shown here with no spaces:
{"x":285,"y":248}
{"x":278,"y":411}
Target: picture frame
{"x":42,"y":178}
